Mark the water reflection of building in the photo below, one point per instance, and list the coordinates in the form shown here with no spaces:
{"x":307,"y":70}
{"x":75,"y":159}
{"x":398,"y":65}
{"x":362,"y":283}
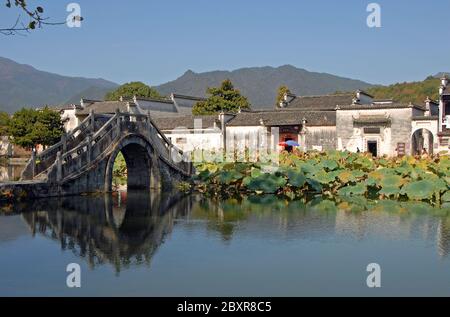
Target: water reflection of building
{"x":102,"y":232}
{"x":105,"y":231}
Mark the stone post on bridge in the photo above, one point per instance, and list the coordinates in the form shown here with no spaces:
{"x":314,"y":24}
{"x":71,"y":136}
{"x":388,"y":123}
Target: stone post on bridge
{"x":64,"y":142}
{"x":58,"y":167}
{"x":33,"y":163}
{"x":118,"y":121}
{"x":89,"y":146}
{"x":92,"y":121}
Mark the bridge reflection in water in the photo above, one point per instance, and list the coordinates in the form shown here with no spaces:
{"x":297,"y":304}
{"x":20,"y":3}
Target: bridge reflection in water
{"x":128,"y":231}
{"x":105,"y":229}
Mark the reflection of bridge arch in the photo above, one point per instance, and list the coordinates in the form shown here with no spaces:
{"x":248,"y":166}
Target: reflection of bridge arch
{"x":422,"y":138}
{"x":86,"y":226}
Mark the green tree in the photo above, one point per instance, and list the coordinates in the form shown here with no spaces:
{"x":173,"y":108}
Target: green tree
{"x":21,"y":126}
{"x":48,"y":128}
{"x":282,"y":90}
{"x":4,"y":123}
{"x":135,"y":88}
{"x":29,"y":127}
{"x":224,"y":98}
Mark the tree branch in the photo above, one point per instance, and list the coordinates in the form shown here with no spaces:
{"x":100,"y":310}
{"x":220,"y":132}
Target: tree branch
{"x":36,"y":19}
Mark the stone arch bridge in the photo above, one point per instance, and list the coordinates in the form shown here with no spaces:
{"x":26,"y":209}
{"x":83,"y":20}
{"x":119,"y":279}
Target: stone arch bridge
{"x":82,"y":162}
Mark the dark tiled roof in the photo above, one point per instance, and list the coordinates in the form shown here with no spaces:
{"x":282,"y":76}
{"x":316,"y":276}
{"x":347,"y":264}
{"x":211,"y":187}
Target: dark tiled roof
{"x":365,"y":93}
{"x":188,"y":97}
{"x":65,"y":107}
{"x":170,"y":123}
{"x":379,"y":106}
{"x":280,"y":118}
{"x":107,"y":107}
{"x":155,"y":100}
{"x":326,"y":102}
{"x":424,"y":118}
{"x":162,"y":114}
{"x":387,"y":100}
{"x":90,"y":100}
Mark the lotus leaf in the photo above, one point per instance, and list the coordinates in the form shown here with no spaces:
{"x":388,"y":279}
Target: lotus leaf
{"x":324,"y":177}
{"x":358,"y":189}
{"x":296,"y":179}
{"x":265,"y":183}
{"x":419,"y":190}
{"x":329,"y":165}
{"x":228,"y":177}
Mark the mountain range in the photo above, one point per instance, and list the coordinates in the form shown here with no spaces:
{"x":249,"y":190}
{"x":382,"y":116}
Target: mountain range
{"x":24,"y":86}
{"x":260,"y":84}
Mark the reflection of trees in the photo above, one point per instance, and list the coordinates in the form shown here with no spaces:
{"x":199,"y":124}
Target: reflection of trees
{"x":103,"y":232}
{"x":91,"y":229}
{"x":443,"y":236}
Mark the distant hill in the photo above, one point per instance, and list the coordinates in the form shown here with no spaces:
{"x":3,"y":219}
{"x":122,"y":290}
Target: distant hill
{"x":415,"y":92}
{"x":24,"y":86}
{"x":260,"y":84}
{"x":441,"y":74}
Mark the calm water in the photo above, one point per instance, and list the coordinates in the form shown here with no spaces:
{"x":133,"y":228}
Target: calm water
{"x":151,"y":245}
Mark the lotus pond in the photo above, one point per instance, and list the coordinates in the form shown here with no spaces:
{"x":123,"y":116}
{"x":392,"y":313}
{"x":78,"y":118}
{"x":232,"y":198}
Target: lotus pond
{"x":331,"y":174}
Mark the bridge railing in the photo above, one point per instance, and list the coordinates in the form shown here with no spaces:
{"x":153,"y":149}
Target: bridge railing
{"x":92,"y":147}
{"x":173,"y":154}
{"x":42,"y":161}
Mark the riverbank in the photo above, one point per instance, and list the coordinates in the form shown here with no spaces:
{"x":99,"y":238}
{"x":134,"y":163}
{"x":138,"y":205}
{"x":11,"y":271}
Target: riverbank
{"x":25,"y":190}
{"x":331,"y":174}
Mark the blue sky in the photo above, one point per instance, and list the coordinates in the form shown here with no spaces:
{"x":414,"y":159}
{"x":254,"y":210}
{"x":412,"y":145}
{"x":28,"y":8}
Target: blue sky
{"x":157,"y":41}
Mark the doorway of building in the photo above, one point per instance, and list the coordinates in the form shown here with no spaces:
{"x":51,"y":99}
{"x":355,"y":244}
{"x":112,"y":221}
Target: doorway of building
{"x":422,"y":142}
{"x":372,"y":148}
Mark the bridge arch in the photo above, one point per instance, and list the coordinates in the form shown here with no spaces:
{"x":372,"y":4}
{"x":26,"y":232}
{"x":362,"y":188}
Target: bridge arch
{"x":139,"y":157}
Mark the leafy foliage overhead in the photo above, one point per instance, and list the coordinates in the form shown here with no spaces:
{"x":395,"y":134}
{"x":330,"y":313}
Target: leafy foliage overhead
{"x":224,"y":98}
{"x":131,"y":89}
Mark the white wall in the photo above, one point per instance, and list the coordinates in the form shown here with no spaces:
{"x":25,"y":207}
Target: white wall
{"x":352,"y":137}
{"x":70,"y":119}
{"x":188,"y":140}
